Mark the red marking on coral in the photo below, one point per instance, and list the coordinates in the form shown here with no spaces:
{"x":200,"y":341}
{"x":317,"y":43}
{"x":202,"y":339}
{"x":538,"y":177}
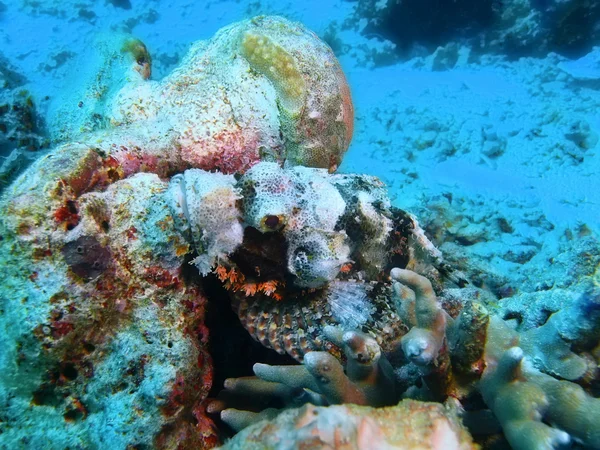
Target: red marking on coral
{"x":121,"y":305}
{"x":161,"y":277}
{"x":128,"y":162}
{"x":40,"y":253}
{"x":76,"y":412}
{"x":67,"y":215}
{"x":176,"y":397}
{"x":205,"y":427}
{"x":83,"y":178}
{"x":201,"y":331}
{"x":346,"y":268}
{"x":105,"y":285}
{"x":135,"y":160}
{"x":58,"y":297}
{"x":93,"y":172}
{"x":130,"y":232}
{"x":24,"y":229}
{"x":56,"y":314}
{"x":33,"y":276}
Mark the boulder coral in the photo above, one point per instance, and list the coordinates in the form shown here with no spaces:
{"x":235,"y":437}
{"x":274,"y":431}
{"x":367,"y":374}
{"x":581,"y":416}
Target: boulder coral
{"x":193,"y":192}
{"x":103,"y":331}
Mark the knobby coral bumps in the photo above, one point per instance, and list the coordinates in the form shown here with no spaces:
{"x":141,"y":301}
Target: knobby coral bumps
{"x":276,"y":64}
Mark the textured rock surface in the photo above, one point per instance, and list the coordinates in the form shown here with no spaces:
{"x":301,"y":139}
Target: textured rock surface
{"x":233,"y":101}
{"x":514,"y":27}
{"x":103,"y":332}
{"x":109,"y":338}
{"x":410,"y":424}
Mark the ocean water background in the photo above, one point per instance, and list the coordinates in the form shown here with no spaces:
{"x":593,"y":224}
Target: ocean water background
{"x":495,"y":150}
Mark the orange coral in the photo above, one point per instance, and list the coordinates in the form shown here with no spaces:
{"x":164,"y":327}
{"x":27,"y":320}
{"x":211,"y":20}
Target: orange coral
{"x":250,"y":289}
{"x":268,"y":287}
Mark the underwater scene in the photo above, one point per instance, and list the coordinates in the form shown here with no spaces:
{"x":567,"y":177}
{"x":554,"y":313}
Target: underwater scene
{"x":297,"y":225}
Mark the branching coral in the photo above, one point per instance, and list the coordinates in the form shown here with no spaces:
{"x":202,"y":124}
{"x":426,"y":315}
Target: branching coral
{"x":367,"y":380}
{"x":523,"y":398}
{"x":424,"y":342}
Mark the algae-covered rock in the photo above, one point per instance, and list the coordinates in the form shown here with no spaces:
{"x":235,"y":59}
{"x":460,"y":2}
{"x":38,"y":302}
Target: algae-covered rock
{"x":409,"y":425}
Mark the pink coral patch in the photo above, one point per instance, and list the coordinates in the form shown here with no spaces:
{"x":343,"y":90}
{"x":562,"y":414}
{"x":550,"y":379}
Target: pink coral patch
{"x":227,"y":151}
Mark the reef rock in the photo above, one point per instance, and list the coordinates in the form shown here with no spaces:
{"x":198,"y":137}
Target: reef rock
{"x":102,"y":326}
{"x":22,"y":129}
{"x":410,"y":424}
{"x":512,"y":27}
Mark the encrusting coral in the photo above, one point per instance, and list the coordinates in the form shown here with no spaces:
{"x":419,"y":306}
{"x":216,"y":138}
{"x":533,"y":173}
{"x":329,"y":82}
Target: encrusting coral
{"x":112,"y":245}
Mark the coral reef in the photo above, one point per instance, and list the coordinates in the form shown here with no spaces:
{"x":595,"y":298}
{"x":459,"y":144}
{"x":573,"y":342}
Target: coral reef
{"x":162,"y":198}
{"x":22,"y":129}
{"x":99,"y":313}
{"x":524,"y":399}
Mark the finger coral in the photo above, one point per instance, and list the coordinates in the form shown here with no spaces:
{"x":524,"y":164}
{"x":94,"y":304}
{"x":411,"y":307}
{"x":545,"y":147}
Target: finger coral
{"x":409,"y":424}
